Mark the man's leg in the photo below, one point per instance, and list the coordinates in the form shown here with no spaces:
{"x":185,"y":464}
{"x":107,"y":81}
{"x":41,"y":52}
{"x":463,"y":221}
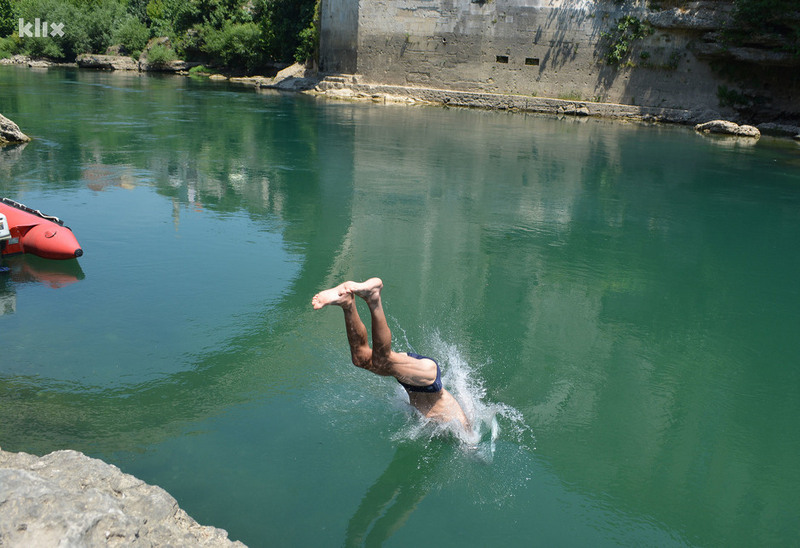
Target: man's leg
{"x":360,"y":352}
{"x":370,"y":291}
{"x":357,"y":338}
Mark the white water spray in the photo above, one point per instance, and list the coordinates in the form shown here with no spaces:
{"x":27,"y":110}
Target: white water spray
{"x":463,"y":381}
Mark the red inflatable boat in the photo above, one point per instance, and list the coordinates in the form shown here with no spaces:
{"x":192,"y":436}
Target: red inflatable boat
{"x":26,"y":230}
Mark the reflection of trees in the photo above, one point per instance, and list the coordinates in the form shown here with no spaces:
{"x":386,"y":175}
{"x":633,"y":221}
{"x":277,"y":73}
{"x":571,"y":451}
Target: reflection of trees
{"x":276,"y":151}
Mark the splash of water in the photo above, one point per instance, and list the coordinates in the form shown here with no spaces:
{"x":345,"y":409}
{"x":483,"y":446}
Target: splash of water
{"x":464,"y":382}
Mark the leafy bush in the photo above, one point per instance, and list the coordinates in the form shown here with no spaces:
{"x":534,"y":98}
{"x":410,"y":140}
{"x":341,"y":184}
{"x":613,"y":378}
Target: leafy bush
{"x":235,"y":45}
{"x":309,"y":44}
{"x":281,"y":23}
{"x":200,"y":69}
{"x":7,"y":21}
{"x":131,"y":34}
{"x":8,"y":46}
{"x":75,"y":39}
{"x":160,"y":55}
{"x":621,"y":37}
{"x":240,"y":34}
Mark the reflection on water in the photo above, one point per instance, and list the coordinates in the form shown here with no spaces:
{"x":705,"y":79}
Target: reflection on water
{"x":389,"y":502}
{"x":622,"y":299}
{"x":32,"y":269}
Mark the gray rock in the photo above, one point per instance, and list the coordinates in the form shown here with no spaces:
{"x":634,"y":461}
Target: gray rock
{"x":797,"y":137}
{"x":178,"y":65}
{"x":68,"y":499}
{"x":15,"y":60}
{"x":728,"y":128}
{"x":107,"y":62}
{"x":10,"y":132}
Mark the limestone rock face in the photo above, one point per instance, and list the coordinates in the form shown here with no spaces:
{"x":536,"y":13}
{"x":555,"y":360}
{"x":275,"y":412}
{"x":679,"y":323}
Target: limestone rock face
{"x":293,"y":78}
{"x":703,"y":15}
{"x":107,"y":62}
{"x":728,"y":128}
{"x":68,"y":499}
{"x":10,"y":132}
{"x":176,"y":65}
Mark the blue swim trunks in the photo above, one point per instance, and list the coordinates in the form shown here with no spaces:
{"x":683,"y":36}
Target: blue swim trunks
{"x":431,"y":388}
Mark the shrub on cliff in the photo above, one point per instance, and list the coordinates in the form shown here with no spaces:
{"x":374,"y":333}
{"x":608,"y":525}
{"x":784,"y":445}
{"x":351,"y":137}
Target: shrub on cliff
{"x":160,"y":55}
{"x":235,"y":45}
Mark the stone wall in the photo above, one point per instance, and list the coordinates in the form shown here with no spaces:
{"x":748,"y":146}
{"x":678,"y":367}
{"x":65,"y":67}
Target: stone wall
{"x":546,"y":48}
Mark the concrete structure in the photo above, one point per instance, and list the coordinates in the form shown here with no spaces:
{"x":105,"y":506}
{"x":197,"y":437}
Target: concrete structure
{"x":545,"y":48}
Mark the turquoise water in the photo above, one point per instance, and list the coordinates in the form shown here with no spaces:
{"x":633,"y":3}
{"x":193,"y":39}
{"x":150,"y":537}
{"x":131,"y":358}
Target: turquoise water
{"x":622,"y":300}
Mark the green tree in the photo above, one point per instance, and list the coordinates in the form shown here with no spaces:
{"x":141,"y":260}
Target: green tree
{"x":235,"y":45}
{"x":7,"y":22}
{"x":132,"y":35}
{"x":281,"y":22}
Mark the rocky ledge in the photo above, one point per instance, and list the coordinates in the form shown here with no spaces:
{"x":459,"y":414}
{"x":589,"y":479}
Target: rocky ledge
{"x":10,"y":132}
{"x":68,"y":499}
{"x":728,"y":128}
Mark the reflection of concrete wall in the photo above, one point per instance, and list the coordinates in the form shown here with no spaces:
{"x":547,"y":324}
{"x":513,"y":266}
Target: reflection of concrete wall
{"x":455,"y":208}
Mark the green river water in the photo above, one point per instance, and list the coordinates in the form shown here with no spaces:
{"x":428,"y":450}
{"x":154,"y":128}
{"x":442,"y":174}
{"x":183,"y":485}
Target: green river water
{"x":622,"y":301}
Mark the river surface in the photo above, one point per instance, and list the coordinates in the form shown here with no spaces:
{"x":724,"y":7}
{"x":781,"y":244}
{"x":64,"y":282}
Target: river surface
{"x":616,"y":306}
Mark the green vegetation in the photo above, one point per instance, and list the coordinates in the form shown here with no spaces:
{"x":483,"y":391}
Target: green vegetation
{"x":620,"y":39}
{"x":241,"y":35}
{"x":772,"y":23}
{"x":159,"y":55}
{"x":200,"y":70}
{"x":736,"y":99}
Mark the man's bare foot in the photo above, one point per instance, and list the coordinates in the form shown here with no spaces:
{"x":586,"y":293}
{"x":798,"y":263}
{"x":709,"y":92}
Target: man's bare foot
{"x":368,"y":290}
{"x":340,"y":295}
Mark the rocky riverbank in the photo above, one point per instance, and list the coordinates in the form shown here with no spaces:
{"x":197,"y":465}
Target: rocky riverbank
{"x":68,"y":499}
{"x":298,"y":78}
